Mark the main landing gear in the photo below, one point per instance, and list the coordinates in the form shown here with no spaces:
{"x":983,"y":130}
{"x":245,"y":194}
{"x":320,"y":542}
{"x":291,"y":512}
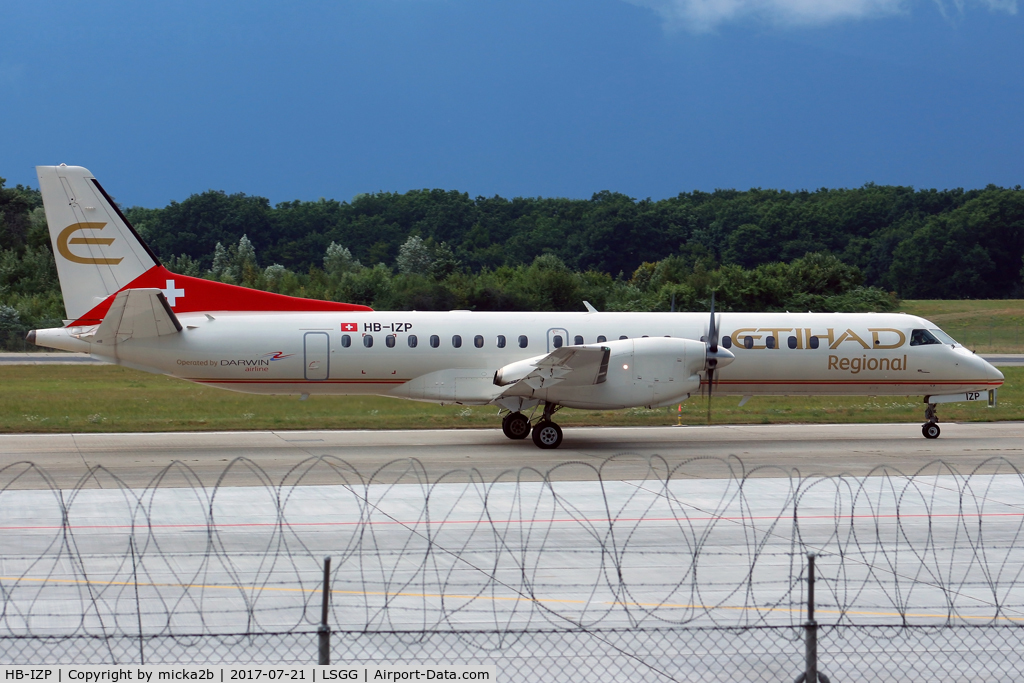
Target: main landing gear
{"x":930,"y":429}
{"x":516,"y":426}
{"x":546,"y":434}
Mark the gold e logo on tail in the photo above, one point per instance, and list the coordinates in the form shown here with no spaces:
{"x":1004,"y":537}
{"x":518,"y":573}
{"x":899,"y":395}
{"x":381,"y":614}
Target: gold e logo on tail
{"x":65,"y":251}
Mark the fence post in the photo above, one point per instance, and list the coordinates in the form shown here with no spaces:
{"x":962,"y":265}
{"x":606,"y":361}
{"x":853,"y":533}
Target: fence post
{"x":811,"y":633}
{"x":811,"y":627}
{"x":138,"y":609}
{"x":324,"y":631}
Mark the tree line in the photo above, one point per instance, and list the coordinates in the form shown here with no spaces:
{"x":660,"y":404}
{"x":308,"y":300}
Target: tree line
{"x":833,"y":250}
{"x":918,"y":243}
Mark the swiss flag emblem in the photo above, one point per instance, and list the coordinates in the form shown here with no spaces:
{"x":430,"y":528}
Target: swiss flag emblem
{"x":349,"y":327}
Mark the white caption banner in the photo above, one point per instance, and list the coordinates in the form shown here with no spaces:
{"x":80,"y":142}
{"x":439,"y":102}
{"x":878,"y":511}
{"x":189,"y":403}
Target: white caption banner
{"x":114,"y":673}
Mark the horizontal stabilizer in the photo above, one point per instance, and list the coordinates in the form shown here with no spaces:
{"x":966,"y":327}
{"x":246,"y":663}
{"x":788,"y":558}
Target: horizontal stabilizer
{"x":137,"y":314}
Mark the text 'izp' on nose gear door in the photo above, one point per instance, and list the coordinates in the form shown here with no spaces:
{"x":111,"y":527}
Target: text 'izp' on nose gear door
{"x":317,"y":351}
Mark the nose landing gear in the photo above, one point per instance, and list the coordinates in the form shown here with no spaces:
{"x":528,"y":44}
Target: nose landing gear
{"x":930,"y":429}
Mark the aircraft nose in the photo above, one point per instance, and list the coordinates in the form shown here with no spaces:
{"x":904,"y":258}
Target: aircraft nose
{"x":992,"y":372}
{"x":985,"y":369}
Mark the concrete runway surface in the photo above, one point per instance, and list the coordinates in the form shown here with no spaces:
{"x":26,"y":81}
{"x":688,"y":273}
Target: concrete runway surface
{"x":551,"y":561}
{"x":518,"y":554}
{"x":498,"y":550}
{"x":807,"y":449}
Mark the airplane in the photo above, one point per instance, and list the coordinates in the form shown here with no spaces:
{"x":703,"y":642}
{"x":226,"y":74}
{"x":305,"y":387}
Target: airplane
{"x":124,"y":307}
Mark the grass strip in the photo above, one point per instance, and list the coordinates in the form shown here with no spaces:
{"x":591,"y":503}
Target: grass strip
{"x":55,"y":399}
{"x":986,"y":326}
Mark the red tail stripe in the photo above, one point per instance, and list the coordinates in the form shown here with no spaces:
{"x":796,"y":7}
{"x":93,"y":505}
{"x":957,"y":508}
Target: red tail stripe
{"x":205,"y":295}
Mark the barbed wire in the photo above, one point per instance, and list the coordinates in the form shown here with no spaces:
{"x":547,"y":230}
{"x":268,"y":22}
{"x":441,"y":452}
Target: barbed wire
{"x":702,"y":542}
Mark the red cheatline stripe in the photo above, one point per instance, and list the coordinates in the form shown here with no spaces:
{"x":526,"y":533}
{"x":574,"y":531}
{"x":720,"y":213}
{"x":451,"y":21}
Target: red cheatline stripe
{"x":732,"y":382}
{"x":961,"y":382}
{"x":297,"y":381}
{"x":725,"y":518}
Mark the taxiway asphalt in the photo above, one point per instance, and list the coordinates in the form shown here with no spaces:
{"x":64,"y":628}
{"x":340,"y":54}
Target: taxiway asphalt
{"x":632,"y":551}
{"x":137,"y":459}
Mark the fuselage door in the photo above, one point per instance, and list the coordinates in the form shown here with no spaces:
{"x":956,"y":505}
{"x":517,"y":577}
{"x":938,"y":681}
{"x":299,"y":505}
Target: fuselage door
{"x":317,"y":349}
{"x":557,"y":338}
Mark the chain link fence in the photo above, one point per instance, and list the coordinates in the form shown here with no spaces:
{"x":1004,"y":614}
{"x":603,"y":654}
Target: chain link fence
{"x":756,"y":653}
{"x":672,"y":577}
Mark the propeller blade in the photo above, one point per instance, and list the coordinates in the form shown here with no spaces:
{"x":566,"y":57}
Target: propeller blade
{"x":711,"y":384}
{"x":713,"y":329}
{"x":712,"y":362}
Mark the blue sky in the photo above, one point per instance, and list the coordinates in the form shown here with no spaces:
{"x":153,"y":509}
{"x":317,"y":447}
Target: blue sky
{"x":552,"y":98}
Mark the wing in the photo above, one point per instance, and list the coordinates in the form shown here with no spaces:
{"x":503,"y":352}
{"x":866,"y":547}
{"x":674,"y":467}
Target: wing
{"x":569,"y":366}
{"x":137,"y":314}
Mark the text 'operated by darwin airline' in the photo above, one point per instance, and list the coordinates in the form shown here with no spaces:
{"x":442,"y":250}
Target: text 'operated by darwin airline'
{"x":126,"y":308}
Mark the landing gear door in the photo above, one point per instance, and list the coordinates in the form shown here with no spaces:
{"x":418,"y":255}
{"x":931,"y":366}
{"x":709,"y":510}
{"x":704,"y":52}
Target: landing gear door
{"x":557,"y":338}
{"x":317,"y":352}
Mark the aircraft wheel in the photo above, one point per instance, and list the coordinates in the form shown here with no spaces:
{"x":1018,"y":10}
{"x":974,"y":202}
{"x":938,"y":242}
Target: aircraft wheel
{"x":930,"y":430}
{"x":547,"y":435}
{"x":515,"y":426}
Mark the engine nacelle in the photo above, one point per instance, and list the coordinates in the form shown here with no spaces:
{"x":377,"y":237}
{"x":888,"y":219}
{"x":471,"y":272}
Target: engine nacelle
{"x":650,"y":371}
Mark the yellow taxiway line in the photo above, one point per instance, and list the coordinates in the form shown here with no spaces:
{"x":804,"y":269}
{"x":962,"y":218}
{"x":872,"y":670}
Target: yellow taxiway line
{"x":403,"y":594}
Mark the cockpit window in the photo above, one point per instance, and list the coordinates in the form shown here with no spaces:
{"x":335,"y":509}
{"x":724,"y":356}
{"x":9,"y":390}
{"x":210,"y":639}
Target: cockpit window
{"x":943,"y":337}
{"x":922,"y":338}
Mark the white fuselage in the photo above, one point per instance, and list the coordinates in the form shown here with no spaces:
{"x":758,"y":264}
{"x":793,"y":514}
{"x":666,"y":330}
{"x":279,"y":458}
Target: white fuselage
{"x":309,"y":353}
{"x":124,"y":306}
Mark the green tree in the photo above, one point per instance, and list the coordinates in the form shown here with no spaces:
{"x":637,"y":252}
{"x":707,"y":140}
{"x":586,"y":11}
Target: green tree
{"x":339,"y":260}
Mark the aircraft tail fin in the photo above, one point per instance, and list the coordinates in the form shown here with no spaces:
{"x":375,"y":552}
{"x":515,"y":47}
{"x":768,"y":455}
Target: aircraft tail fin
{"x":97,"y":250}
{"x":99,"y":254}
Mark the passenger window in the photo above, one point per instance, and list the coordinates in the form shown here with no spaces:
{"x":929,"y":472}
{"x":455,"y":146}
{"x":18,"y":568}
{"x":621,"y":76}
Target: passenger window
{"x":814,"y":342}
{"x":645,"y":336}
{"x":556,"y":341}
{"x":346,"y":341}
{"x":770,"y":341}
{"x":478,"y":341}
{"x":601,"y":339}
{"x":457,"y":341}
{"x":501,"y":341}
{"x":623,"y":337}
{"x":727,"y":341}
{"x":792,"y":342}
{"x":748,"y":342}
{"x":435,"y":341}
{"x":922,"y":338}
{"x":389,"y":341}
{"x":367,"y":340}
{"x":413,"y":341}
{"x":578,"y":340}
{"x":523,"y":341}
